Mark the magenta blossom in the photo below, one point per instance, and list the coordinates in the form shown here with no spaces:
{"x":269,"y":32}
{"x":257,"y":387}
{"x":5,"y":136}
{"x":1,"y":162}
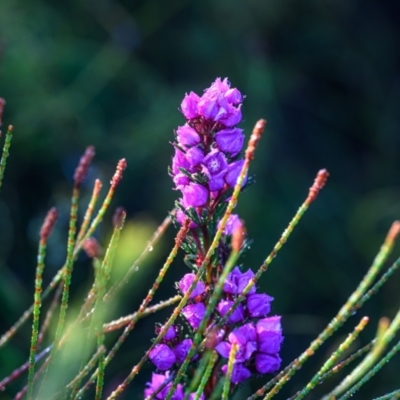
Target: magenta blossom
{"x":186,"y":282}
{"x":162,"y":357}
{"x":194,"y":314}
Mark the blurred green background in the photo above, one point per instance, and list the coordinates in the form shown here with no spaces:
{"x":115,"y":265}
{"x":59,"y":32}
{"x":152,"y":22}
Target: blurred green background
{"x":325,"y":74}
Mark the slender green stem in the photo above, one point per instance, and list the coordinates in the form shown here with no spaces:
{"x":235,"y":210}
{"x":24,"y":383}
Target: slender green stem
{"x":198,"y":375}
{"x":6,"y":150}
{"x":103,"y":277}
{"x":382,"y":341}
{"x":372,"y":372}
{"x":36,"y":314}
{"x":332,"y":359}
{"x":206,"y":376}
{"x":178,"y":241}
{"x":313,"y":192}
{"x":49,"y":315}
{"x":20,"y":370}
{"x":390,"y":396}
{"x":344,"y":313}
{"x":90,"y":210}
{"x":152,"y":242}
{"x":90,"y":365}
{"x":69,"y":263}
{"x":228,"y":377}
{"x":338,"y":367}
{"x":78,"y":246}
{"x":123,"y":321}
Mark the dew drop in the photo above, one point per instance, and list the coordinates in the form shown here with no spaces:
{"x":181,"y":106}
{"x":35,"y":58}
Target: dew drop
{"x":150,"y":248}
{"x":136,"y":268}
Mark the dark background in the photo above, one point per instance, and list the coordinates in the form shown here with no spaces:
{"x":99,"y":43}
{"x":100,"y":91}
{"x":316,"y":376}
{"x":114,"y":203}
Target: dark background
{"x":325,"y":74}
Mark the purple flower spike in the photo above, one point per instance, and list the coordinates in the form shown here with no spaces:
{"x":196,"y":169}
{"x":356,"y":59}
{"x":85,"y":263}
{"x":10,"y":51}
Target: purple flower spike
{"x":187,"y":136}
{"x":171,"y":334}
{"x":156,"y":381}
{"x":194,"y":156}
{"x":230,"y":140}
{"x":232,"y":224}
{"x":162,"y":357}
{"x":259,"y":305}
{"x":269,"y":334}
{"x":194,"y":195}
{"x":225,"y":305}
{"x":189,"y":105}
{"x":267,"y":363}
{"x":194,"y":313}
{"x":215,"y":162}
{"x":182,"y":349}
{"x":233,"y":173}
{"x":185,"y":283}
{"x":239,"y":374}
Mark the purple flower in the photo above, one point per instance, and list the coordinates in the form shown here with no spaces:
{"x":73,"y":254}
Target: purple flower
{"x":162,"y":357}
{"x":234,"y":170}
{"x":243,"y":280}
{"x":194,"y":195}
{"x":156,"y":381}
{"x":181,"y":180}
{"x":219,"y":85}
{"x":267,"y":363}
{"x":231,"y":117}
{"x":189,"y":105}
{"x":171,"y":333}
{"x":182,"y":349}
{"x":230,"y":140}
{"x":259,"y":305}
{"x":185,"y":283}
{"x":217,"y":103}
{"x":194,"y":314}
{"x":232,"y":224}
{"x":179,"y":161}
{"x":216,"y":182}
{"x":187,"y":136}
{"x":225,"y":305}
{"x":195,"y":156}
{"x":215,"y":162}
{"x":245,"y":338}
{"x":236,"y":281}
{"x":269,"y":334}
{"x":233,"y":96}
{"x":239,"y":373}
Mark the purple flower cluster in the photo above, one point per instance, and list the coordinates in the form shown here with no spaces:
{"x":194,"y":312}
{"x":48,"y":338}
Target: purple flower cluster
{"x":258,"y":338}
{"x":207,"y":153}
{"x":207,"y":164}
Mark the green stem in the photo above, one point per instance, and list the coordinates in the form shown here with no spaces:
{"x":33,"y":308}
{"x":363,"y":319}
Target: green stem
{"x":6,"y":149}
